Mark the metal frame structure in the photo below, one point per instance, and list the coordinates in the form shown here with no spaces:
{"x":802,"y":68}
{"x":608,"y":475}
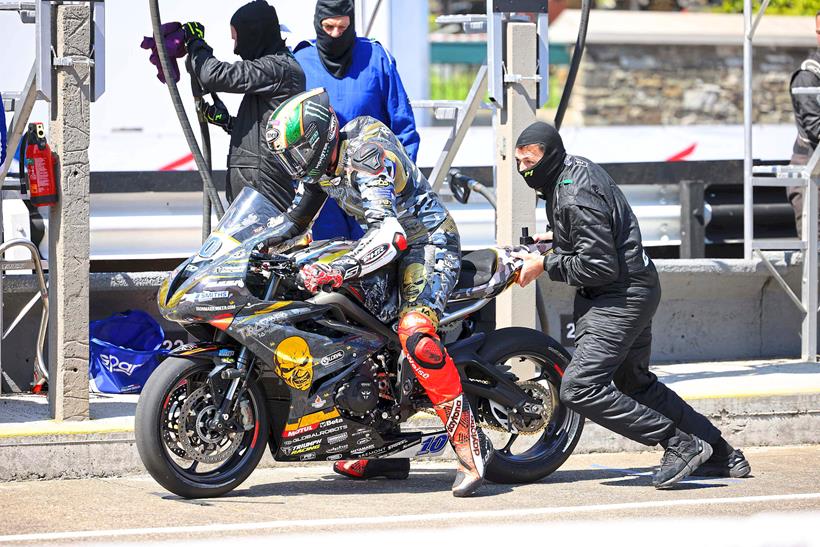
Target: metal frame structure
{"x":807,"y":176}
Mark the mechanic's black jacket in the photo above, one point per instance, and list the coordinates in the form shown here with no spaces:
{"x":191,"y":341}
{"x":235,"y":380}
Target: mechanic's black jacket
{"x":266,"y":81}
{"x":596,"y":237}
{"x":807,"y":107}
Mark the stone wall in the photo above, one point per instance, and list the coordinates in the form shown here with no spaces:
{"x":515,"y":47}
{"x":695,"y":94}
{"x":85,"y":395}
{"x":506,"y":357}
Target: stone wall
{"x":682,"y":84}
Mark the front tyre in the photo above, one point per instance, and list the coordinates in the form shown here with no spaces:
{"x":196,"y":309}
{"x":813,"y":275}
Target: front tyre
{"x":174,"y":440}
{"x":528,"y":452}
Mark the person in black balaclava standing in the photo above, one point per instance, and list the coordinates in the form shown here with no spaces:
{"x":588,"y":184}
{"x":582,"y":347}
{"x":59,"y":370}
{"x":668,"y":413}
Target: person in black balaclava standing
{"x":267,"y":75}
{"x":597,"y":248}
{"x":361,"y":78}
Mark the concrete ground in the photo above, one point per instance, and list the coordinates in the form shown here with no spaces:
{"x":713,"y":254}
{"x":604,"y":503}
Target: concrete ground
{"x":755,"y":403}
{"x":615,"y":488}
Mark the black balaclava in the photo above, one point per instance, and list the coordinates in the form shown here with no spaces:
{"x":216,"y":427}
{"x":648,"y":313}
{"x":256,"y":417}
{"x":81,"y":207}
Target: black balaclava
{"x":257,"y":30}
{"x":542,"y":176}
{"x":335,"y":53}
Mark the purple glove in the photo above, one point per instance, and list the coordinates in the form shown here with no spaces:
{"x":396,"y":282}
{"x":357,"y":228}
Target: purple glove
{"x":174,"y":43}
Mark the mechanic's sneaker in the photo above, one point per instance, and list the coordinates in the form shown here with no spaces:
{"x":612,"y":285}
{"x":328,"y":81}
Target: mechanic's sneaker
{"x":396,"y":468}
{"x":734,"y":465}
{"x":684,"y":453}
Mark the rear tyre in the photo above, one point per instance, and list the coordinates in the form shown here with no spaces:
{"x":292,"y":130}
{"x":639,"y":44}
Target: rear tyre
{"x":174,"y":442}
{"x":548,"y":445}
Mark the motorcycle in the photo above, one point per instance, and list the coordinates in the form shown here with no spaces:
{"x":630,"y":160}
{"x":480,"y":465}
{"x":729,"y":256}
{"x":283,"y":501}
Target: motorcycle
{"x":322,"y":377}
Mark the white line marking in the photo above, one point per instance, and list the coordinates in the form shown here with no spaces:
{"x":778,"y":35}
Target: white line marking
{"x":398,"y":519}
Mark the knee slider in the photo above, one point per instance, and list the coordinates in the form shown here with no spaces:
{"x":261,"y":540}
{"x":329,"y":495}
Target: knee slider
{"x":425,"y":350}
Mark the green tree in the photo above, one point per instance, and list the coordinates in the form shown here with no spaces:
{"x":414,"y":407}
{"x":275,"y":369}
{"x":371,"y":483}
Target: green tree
{"x":777,"y":7}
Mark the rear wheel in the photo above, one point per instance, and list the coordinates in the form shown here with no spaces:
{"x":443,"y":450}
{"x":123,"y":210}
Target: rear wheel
{"x":527,"y":451}
{"x":174,"y":438}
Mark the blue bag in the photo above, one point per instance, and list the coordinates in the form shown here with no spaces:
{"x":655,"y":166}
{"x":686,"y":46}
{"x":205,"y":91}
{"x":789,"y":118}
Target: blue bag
{"x":125,"y":350}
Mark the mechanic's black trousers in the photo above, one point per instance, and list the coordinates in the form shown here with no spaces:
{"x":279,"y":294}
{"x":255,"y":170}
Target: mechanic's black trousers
{"x":608,"y":379}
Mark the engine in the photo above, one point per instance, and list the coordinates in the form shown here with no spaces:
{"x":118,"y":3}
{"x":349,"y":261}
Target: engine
{"x":359,"y":396}
{"x":368,"y":393}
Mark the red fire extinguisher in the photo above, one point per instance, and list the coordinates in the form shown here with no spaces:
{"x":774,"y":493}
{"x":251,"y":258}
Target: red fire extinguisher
{"x":40,"y":167}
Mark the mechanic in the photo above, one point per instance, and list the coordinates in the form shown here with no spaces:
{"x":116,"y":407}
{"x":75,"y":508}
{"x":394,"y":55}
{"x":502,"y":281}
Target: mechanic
{"x":362,"y":80}
{"x":597,"y":248}
{"x":267,"y":75}
{"x":807,"y":118}
{"x":367,"y":171}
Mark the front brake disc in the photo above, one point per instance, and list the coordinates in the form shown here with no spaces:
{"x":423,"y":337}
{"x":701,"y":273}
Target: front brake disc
{"x":200,"y":442}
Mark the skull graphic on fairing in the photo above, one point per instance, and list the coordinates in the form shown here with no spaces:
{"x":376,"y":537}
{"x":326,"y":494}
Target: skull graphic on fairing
{"x":413,"y":283}
{"x":294,"y":363}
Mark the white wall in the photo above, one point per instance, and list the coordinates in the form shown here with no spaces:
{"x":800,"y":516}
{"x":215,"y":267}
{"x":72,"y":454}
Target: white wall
{"x":133,"y":124}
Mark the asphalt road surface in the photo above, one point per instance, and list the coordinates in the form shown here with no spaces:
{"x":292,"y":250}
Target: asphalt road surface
{"x":605,"y":496}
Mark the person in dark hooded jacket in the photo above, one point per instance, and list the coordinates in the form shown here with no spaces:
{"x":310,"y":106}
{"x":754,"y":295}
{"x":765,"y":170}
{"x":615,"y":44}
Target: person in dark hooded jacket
{"x":267,"y":75}
{"x":362,"y":80}
{"x":597,"y":248}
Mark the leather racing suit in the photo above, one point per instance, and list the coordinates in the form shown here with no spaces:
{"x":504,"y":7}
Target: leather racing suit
{"x":377,"y":183}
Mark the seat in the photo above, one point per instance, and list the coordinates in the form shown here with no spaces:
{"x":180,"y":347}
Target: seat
{"x":477,"y":268}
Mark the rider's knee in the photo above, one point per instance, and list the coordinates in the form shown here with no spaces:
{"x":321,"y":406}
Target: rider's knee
{"x":417,"y":333}
{"x":425,"y":350}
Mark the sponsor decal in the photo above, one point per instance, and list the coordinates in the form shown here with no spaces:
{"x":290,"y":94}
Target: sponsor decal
{"x":375,"y":254}
{"x":361,"y":432}
{"x":336,"y":449}
{"x":336,"y":439}
{"x":303,"y":449}
{"x":229,"y":269}
{"x":298,"y":431}
{"x":309,"y":456}
{"x":215,"y":308}
{"x":315,"y":418}
{"x":205,"y":296}
{"x":225,"y":283}
{"x":318,"y":402}
{"x":363,"y":449}
{"x":332,"y":358}
{"x":364,"y":440}
{"x":294,"y":363}
{"x":334,"y":457}
{"x":454,"y":418}
{"x":329,"y":423}
{"x":113,"y":364}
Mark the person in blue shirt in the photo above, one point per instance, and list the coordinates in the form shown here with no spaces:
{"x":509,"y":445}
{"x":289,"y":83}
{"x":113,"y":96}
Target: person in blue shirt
{"x":362,"y":80}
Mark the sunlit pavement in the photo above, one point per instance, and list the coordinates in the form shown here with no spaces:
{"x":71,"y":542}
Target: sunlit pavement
{"x":311,"y":500}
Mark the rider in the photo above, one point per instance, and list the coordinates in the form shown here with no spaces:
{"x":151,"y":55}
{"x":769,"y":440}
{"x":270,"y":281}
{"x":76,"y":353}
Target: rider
{"x":369,"y":174}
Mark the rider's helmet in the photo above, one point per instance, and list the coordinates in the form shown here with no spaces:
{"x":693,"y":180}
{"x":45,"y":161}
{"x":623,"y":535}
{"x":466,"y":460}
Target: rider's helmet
{"x":302,"y":134}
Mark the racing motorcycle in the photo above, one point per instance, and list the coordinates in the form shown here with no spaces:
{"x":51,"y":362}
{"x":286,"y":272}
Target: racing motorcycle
{"x":322,"y":377}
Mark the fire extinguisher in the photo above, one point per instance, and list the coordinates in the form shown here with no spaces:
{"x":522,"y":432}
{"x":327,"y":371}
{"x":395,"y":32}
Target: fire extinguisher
{"x":40,"y":167}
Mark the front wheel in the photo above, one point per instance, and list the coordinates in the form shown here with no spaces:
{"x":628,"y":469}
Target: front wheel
{"x":527,"y":452}
{"x":177,"y":441}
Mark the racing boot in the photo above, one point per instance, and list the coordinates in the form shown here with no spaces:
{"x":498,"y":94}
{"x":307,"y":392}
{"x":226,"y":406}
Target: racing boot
{"x":684,"y":453}
{"x":394,"y":468}
{"x":473,"y":449}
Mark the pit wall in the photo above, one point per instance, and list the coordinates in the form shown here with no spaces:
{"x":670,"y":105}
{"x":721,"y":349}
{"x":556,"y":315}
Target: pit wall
{"x":711,"y":310}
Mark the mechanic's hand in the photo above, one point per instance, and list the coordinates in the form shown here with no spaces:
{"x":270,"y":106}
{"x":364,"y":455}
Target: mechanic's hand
{"x":193,"y":31}
{"x":315,"y":276}
{"x":546,"y":236}
{"x":217,"y":114}
{"x":532,"y":268}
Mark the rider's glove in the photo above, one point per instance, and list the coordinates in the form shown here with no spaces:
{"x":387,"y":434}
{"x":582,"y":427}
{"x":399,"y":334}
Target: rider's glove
{"x":315,"y":276}
{"x":193,"y":31}
{"x":217,"y":114}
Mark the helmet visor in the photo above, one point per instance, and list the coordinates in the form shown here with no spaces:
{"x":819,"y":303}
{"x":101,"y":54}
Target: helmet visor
{"x":296,"y":158}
